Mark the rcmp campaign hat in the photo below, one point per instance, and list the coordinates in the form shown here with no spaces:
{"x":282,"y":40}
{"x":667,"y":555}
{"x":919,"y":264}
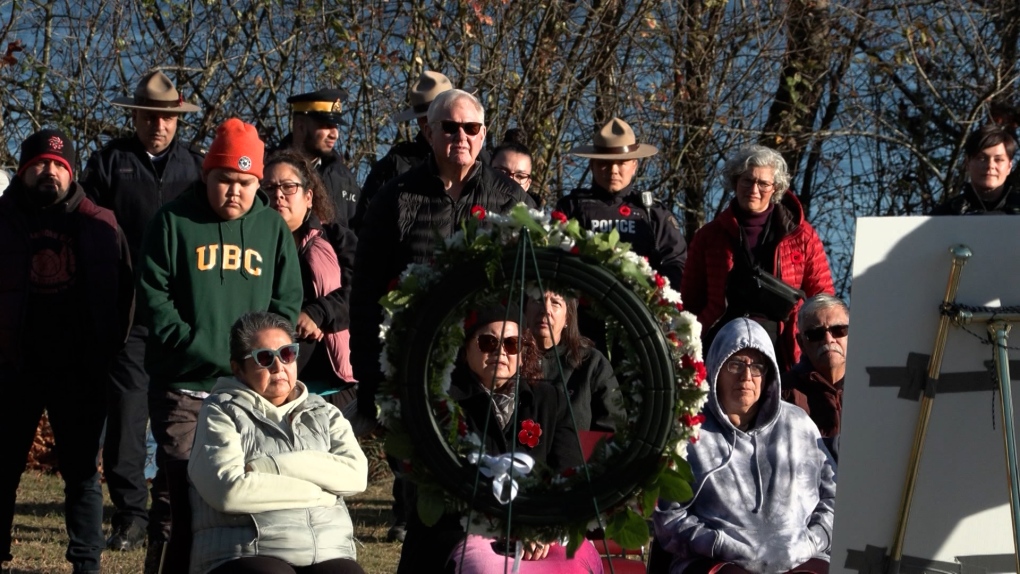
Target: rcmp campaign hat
{"x":429,"y":85}
{"x":616,"y":140}
{"x":324,"y":105}
{"x":156,"y":93}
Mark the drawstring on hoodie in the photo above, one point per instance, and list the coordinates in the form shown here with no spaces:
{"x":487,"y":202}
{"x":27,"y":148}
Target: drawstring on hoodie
{"x":219,"y":227}
{"x":244,"y":273}
{"x":704,"y":479}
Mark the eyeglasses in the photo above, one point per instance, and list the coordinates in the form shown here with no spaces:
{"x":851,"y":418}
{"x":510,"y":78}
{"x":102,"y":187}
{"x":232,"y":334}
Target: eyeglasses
{"x":818,"y":333}
{"x":287,"y":187}
{"x":451,"y":127}
{"x":749,"y":182}
{"x":519,"y":177}
{"x":736,"y":367}
{"x":266,"y":357}
{"x":489,"y":344}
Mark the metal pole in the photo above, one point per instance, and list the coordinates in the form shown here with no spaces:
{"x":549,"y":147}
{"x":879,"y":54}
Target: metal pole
{"x":960,"y":253}
{"x":999,"y":331}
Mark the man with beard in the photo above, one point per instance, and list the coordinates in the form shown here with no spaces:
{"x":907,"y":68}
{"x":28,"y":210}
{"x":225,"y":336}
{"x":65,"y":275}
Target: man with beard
{"x":65,"y":301}
{"x":315,"y":122}
{"x":815,"y":384}
{"x":134,"y":176}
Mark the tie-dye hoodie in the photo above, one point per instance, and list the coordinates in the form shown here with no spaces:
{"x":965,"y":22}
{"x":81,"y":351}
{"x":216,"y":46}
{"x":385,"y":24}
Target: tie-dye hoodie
{"x":763,"y":498}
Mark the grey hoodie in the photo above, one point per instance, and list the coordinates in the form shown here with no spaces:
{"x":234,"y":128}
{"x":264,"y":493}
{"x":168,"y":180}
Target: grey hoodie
{"x":763,"y":498}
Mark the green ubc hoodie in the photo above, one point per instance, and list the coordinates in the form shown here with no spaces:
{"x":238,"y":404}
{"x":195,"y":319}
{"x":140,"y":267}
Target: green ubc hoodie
{"x":200,"y":273}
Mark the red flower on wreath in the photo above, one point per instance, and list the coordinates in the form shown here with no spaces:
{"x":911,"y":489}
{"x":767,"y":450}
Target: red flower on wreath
{"x":558,"y":216}
{"x":692,"y":421}
{"x":530,"y":431}
{"x":625,"y":211}
{"x":699,"y":368}
{"x":478,"y":212}
{"x":660,"y":281}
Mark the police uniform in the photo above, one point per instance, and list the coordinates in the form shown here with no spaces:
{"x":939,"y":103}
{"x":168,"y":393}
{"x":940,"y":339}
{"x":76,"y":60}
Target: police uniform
{"x":341,"y":186}
{"x":651,"y":229}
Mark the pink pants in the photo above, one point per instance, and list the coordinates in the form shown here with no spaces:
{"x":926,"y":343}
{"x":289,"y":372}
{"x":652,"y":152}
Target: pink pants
{"x":480,"y":558}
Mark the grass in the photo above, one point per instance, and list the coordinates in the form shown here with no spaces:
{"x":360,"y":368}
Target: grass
{"x":40,"y":539}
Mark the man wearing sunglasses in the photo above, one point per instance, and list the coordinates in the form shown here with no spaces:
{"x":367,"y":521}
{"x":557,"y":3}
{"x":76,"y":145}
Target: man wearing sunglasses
{"x":815,"y":384}
{"x":411,"y":212}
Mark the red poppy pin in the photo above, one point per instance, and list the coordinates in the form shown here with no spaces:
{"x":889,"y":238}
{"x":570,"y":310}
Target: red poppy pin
{"x":625,"y":211}
{"x":797,"y":257}
{"x":530,"y":431}
{"x":478,"y":212}
{"x":558,"y":216}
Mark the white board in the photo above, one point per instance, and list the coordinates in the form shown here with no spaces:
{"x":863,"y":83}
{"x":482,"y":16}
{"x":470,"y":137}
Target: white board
{"x":960,"y":509}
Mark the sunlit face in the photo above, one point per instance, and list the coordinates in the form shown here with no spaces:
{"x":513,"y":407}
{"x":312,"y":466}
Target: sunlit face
{"x":755,"y":188}
{"x":495,"y":368}
{"x":989,"y":168}
{"x":155,"y":129}
{"x":293,"y":208}
{"x":315,"y":137}
{"x":274,"y":383}
{"x":47,"y":180}
{"x":829,"y":353}
{"x":230,"y":193}
{"x":456,"y":150}
{"x":613,"y":174}
{"x":516,"y":166}
{"x":547,"y":318}
{"x":739,"y":393}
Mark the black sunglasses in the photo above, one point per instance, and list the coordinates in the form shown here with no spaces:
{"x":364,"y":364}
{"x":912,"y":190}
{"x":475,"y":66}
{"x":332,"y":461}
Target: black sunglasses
{"x":451,"y":127}
{"x":489,"y":344}
{"x":818,"y":333}
{"x":266,"y":357}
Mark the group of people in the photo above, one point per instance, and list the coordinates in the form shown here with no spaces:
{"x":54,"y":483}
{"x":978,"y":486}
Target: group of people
{"x":230,"y":301}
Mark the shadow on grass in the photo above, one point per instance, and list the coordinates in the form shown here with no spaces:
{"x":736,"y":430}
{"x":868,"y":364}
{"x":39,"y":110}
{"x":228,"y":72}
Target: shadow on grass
{"x":39,"y":509}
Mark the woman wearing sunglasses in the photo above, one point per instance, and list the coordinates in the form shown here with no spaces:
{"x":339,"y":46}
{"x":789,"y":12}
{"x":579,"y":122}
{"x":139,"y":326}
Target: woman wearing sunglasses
{"x":765,"y":487}
{"x":523,"y":415}
{"x":326,"y":257}
{"x":271,"y":464}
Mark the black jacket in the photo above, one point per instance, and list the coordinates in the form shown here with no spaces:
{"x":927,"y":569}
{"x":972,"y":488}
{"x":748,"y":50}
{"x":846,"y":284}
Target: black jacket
{"x":122,"y":178}
{"x":427,"y":548}
{"x":967,"y":202}
{"x":401,"y":158}
{"x":557,"y":448}
{"x":652,"y":231}
{"x":592,"y":387}
{"x":98,"y":278}
{"x":340,"y":183}
{"x":401,"y":227}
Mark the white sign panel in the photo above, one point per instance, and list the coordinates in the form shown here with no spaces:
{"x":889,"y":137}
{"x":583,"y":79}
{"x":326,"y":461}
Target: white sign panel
{"x":960,"y":518}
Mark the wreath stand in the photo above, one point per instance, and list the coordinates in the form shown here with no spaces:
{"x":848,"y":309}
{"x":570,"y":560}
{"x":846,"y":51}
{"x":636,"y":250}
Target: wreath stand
{"x":999,"y":321}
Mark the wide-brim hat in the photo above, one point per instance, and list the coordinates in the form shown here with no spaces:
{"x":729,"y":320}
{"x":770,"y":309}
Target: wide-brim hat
{"x":156,"y":93}
{"x":325,"y":105}
{"x":429,"y":85}
{"x":616,"y":140}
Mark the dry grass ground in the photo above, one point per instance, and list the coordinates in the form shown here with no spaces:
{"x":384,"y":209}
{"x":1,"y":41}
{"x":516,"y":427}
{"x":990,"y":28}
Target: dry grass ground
{"x":40,"y":539}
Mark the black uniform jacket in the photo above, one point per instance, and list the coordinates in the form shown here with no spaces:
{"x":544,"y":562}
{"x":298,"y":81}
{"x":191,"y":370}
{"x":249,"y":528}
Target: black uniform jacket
{"x":653,"y":232}
{"x":122,"y":178}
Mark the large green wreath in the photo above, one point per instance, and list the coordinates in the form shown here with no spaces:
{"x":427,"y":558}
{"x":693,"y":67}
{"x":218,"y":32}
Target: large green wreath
{"x":661,"y":362}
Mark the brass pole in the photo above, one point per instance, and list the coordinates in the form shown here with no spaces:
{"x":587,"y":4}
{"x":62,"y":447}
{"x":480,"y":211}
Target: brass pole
{"x":999,"y":330}
{"x":960,"y":254}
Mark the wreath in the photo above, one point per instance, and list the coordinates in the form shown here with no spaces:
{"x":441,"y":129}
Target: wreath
{"x":661,"y":376}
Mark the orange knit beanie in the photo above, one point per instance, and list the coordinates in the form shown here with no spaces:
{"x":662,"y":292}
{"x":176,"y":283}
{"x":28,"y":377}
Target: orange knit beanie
{"x":237,"y":147}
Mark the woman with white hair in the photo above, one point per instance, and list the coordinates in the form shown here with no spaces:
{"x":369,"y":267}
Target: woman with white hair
{"x":758,"y":258}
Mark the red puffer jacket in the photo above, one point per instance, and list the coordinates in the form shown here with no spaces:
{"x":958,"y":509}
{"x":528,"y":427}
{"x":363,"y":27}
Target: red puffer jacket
{"x":800,"y":262}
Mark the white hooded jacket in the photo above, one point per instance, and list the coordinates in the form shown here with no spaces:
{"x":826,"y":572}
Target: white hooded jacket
{"x":764,"y":497}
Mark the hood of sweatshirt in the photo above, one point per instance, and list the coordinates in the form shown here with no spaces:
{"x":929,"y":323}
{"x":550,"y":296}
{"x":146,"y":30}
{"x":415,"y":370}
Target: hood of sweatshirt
{"x":737,"y":335}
